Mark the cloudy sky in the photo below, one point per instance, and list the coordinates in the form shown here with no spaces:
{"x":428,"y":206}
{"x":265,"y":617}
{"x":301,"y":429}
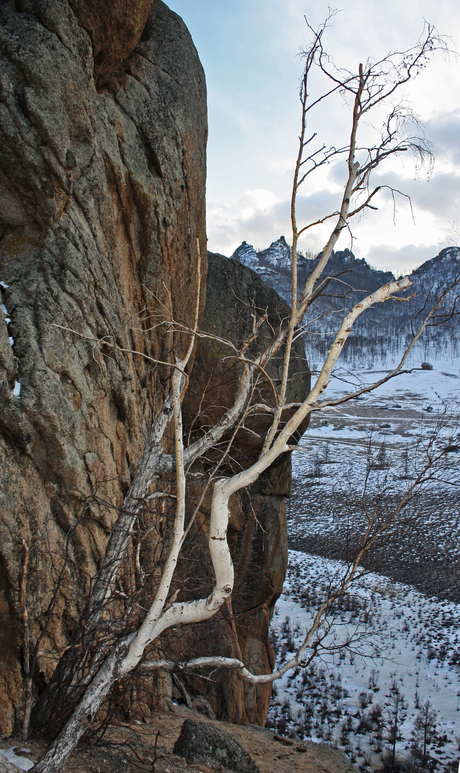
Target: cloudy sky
{"x":249,"y":50}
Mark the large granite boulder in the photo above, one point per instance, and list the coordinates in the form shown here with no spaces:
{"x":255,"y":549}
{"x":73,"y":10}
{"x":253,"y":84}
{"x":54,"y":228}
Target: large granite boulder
{"x":102,"y":179}
{"x":210,"y":745}
{"x":101,"y":205}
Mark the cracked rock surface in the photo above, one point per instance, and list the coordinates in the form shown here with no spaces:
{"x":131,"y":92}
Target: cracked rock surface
{"x":102,"y":176}
{"x":102,"y":210}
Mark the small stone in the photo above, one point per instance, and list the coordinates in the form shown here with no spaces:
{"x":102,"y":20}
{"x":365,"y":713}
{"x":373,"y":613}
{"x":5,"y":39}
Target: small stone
{"x":91,"y":460}
{"x":70,"y":160}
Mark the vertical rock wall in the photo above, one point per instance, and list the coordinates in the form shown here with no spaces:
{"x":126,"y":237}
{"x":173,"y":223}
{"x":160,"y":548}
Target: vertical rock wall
{"x":101,"y":202}
{"x":236,"y":297}
{"x":102,"y":180}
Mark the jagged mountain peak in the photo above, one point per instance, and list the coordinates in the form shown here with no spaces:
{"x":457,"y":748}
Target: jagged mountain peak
{"x":246,"y":255}
{"x":274,"y":265}
{"x":352,"y":279}
{"x":449,"y":256}
{"x":276,"y":256}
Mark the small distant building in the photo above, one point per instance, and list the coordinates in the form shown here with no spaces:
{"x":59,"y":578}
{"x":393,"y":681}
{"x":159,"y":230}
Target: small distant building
{"x":427,"y":366}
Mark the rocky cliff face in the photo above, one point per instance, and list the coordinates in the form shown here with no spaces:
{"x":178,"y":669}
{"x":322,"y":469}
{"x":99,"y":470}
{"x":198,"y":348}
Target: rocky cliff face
{"x":257,"y":531}
{"x":102,"y":174}
{"x":101,"y":204}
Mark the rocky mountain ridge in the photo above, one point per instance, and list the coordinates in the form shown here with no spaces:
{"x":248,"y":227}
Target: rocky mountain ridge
{"x":273,"y":264}
{"x":385,"y":326}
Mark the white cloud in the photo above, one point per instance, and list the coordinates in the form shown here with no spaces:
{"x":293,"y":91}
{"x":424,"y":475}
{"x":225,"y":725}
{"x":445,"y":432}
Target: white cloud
{"x":249,"y":55}
{"x":444,"y":132}
{"x":260,"y":217}
{"x":255,"y":203}
{"x":395,"y":237}
{"x":401,"y":260}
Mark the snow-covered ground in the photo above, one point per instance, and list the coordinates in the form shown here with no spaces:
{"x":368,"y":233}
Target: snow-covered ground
{"x":441,"y":349}
{"x":407,"y":641}
{"x":397,"y":636}
{"x":382,"y":441}
{"x":21,"y":762}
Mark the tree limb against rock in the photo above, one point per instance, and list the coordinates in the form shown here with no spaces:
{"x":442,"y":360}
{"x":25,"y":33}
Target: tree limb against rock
{"x":89,"y":681}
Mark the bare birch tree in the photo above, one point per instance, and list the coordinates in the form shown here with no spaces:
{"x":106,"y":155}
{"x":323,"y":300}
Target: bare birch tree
{"x":80,"y":687}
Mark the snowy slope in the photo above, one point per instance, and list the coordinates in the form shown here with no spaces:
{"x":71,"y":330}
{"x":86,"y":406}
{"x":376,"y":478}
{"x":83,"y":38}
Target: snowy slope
{"x":406,"y":635}
{"x":398,"y":636}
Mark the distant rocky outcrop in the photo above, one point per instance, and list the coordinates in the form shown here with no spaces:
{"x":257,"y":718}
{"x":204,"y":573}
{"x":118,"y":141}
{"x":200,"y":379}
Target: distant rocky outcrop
{"x":274,"y":265}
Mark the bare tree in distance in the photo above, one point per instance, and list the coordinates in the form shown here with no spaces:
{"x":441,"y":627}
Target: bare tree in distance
{"x":424,"y":735}
{"x":82,"y":681}
{"x":394,"y":714}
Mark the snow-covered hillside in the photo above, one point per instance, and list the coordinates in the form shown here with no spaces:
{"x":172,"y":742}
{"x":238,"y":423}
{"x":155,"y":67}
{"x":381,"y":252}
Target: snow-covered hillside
{"x":403,"y":646}
{"x":385,"y":327}
{"x":407,"y":636}
{"x":360,"y":458}
{"x":381,"y":442}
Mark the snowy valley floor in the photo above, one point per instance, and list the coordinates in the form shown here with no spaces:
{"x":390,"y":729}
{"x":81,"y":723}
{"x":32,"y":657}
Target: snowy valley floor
{"x":390,"y":431}
{"x":397,"y":636}
{"x":406,"y":637}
